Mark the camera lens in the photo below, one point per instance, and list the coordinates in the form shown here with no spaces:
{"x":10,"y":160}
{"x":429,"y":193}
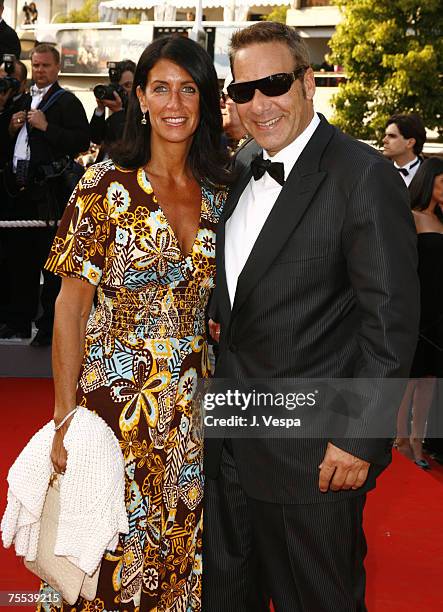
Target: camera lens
{"x":9,"y":83}
{"x":100,"y":92}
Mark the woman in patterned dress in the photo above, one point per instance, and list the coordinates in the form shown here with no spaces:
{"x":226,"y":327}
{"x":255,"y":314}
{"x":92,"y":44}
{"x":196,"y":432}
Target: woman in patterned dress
{"x":139,"y":231}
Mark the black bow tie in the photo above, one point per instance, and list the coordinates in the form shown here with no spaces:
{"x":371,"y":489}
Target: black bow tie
{"x":275,"y":169}
{"x":405,"y":171}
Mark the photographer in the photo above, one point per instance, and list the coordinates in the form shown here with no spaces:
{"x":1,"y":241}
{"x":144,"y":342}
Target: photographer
{"x":46,"y":134}
{"x":105,"y":132}
{"x":13,"y":76}
{"x":9,"y":41}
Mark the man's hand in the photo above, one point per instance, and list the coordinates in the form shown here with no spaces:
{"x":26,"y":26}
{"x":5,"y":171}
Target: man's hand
{"x":100,"y":106}
{"x":37,"y":120}
{"x":17,"y":121}
{"x":214,"y":330}
{"x":340,"y":470}
{"x":114,"y":105}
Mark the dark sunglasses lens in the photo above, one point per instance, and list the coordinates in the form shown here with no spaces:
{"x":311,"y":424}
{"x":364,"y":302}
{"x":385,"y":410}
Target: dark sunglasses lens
{"x":241,"y":92}
{"x":274,"y":85}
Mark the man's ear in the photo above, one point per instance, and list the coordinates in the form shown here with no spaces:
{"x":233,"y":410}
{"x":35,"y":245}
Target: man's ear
{"x":411,"y":143}
{"x":309,"y":84}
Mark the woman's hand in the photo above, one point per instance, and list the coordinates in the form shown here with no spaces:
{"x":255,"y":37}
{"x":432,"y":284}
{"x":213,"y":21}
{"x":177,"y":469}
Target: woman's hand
{"x":59,"y":455}
{"x":214,"y":330}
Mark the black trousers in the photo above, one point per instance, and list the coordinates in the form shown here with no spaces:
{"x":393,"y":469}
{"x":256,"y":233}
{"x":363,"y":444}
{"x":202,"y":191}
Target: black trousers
{"x":25,"y":251}
{"x":305,"y":557}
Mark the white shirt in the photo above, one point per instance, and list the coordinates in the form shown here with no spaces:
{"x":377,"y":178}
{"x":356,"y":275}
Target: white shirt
{"x":21,"y":150}
{"x":411,"y":168}
{"x":254,"y":206}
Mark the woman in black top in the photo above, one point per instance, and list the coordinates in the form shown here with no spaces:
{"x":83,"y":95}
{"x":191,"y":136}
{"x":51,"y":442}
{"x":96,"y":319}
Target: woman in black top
{"x":427,"y":206}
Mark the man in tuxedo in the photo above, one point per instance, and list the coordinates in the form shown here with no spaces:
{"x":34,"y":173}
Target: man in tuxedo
{"x":312,"y":284}
{"x":403,"y":143}
{"x":49,"y":130}
{"x":9,"y":41}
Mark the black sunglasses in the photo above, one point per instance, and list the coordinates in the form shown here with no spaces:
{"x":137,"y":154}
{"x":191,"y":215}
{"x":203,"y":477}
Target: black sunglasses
{"x":273,"y":85}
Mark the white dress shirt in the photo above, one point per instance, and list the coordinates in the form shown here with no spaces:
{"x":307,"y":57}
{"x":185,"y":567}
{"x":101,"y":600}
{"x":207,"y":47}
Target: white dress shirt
{"x":254,"y":206}
{"x":411,"y":168}
{"x":21,"y":150}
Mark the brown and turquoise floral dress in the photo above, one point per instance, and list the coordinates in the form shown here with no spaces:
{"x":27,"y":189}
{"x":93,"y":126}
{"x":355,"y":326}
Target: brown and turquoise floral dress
{"x":145,"y":349}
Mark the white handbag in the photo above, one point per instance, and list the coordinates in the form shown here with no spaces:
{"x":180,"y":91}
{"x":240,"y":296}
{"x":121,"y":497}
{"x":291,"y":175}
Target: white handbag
{"x":62,"y":575}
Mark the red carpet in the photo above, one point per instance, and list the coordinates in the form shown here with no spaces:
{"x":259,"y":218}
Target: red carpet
{"x":403,"y":516}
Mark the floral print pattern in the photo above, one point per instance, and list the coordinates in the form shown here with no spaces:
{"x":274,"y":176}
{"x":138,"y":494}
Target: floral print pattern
{"x":145,"y":348}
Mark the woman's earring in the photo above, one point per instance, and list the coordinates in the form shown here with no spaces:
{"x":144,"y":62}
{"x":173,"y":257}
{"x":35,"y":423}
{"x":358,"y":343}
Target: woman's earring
{"x":143,"y":119}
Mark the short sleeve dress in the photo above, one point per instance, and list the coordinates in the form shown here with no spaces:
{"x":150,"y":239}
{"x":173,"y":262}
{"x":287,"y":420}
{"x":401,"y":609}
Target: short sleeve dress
{"x":145,"y":349}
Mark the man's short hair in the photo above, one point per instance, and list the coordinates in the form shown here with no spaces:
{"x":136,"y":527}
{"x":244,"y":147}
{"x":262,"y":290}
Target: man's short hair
{"x":270,"y":32}
{"x":46,"y":48}
{"x":22,"y":69}
{"x":410,"y":126}
{"x":127,"y":64}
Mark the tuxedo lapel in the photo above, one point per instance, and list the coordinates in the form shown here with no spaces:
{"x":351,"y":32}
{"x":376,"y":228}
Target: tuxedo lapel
{"x":224,"y":303}
{"x":289,"y":208}
{"x":54,"y":87}
{"x":236,"y":190}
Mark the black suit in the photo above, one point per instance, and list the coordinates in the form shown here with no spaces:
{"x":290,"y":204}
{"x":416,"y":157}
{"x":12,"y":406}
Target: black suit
{"x":106,"y":132}
{"x":328,"y":291}
{"x":67,"y":134}
{"x":13,"y":105}
{"x":9,"y":41}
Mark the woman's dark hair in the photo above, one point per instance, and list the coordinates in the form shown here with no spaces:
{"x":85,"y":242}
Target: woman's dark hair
{"x":207,"y":158}
{"x":422,"y":185}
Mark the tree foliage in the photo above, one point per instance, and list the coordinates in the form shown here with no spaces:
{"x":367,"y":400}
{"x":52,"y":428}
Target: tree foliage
{"x":392,"y":53}
{"x":87,"y":14}
{"x":278,"y":14}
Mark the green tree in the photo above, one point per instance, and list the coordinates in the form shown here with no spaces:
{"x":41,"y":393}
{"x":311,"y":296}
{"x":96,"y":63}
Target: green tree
{"x":87,"y":14}
{"x":278,"y":14}
{"x":392,"y":53}
{"x":129,"y":20}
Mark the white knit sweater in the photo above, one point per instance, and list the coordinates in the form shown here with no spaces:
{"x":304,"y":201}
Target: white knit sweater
{"x":92,"y":493}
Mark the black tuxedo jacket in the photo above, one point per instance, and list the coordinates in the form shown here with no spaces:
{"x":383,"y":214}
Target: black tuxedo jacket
{"x":9,"y":41}
{"x":107,"y":130}
{"x":67,"y":135}
{"x":67,"y":132}
{"x":330,"y":289}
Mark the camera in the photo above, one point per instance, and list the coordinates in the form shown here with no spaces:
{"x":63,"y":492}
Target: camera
{"x":115,"y":71}
{"x":106,"y":92}
{"x":9,"y":83}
